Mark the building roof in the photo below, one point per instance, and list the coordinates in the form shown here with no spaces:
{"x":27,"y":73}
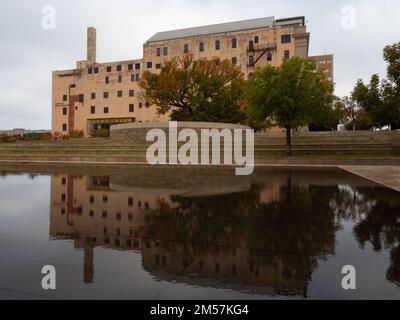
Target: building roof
{"x":214,"y":29}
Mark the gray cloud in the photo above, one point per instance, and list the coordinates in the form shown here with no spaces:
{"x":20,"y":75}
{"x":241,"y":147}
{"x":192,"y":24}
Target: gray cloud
{"x":29,"y":53}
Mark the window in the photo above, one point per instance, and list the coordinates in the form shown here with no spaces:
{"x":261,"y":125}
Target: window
{"x":137,"y":77}
{"x":201,"y":47}
{"x":234,"y":43}
{"x":93,"y":95}
{"x":81,"y":98}
{"x":119,"y":93}
{"x":104,"y":214}
{"x":105,"y":95}
{"x":109,"y":69}
{"x":217,"y":45}
{"x":149,"y":65}
{"x":64,"y":181}
{"x":119,"y":79}
{"x":251,"y":60}
{"x":286,"y":38}
{"x":130,"y":66}
{"x":158,"y":52}
{"x":92,"y":109}
{"x":234,"y":60}
{"x":91,"y":199}
{"x":90,"y":70}
{"x":63,"y":197}
{"x":165,"y":51}
{"x":73,"y":85}
{"x":158,"y":66}
{"x":91,"y":213}
{"x":64,"y":111}
{"x":65,"y":97}
{"x":131,"y":93}
{"x":287,"y":54}
{"x":137,"y":66}
{"x":256,"y":39}
{"x":131,"y":107}
{"x":106,"y":110}
{"x":132,"y":77}
{"x":251,"y":45}
{"x":186,"y":48}
{"x":269,"y":56}
{"x":96,"y":70}
{"x":107,"y":80}
{"x":119,"y":67}
{"x":140,"y":105}
{"x":147,"y":105}
{"x":130,"y":202}
{"x":64,"y":127}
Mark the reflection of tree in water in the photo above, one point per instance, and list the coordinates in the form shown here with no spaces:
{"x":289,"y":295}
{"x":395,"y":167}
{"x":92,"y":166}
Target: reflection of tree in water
{"x":381,"y":226}
{"x":291,"y":233}
{"x":349,"y":204}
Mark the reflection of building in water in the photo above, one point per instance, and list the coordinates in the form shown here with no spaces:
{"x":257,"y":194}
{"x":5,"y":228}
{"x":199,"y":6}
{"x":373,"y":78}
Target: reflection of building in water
{"x":183,"y":235}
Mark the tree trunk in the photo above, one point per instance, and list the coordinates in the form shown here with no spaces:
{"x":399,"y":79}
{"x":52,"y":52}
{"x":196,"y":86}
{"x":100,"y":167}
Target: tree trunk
{"x":354,"y":125}
{"x":289,"y":141}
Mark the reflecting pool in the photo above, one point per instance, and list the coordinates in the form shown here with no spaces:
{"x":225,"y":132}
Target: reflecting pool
{"x":196,"y":233}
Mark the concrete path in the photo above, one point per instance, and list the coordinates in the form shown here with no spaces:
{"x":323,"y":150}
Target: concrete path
{"x":388,"y":176}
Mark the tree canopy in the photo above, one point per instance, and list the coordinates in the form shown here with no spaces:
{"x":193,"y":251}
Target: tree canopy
{"x":290,"y":96}
{"x":196,"y":90}
{"x":381,"y":98}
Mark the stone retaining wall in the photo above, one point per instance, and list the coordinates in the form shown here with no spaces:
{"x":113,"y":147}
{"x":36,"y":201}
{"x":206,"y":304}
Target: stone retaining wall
{"x":136,"y":132}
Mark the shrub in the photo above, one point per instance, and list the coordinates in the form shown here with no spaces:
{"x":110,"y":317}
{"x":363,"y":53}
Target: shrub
{"x":102,"y":133}
{"x":76,"y":134}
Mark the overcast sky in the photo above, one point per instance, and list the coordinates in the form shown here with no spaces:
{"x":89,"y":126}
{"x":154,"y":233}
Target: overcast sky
{"x":28,"y":52}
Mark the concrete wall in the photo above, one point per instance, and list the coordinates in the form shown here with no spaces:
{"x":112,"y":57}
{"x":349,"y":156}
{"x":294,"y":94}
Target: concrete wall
{"x":136,"y":132}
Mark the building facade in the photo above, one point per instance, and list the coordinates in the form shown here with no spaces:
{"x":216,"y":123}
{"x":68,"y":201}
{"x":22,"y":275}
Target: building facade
{"x":324,"y":65}
{"x":97,"y":95}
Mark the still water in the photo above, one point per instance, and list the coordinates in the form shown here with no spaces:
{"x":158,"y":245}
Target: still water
{"x":169,"y":233}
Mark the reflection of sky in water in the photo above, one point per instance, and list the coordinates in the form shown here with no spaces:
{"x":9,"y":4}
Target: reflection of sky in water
{"x":266,"y":237}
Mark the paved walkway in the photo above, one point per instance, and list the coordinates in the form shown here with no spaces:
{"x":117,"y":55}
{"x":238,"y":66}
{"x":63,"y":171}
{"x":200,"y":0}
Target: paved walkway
{"x":388,"y":176}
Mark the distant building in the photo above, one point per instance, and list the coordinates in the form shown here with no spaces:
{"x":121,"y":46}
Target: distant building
{"x":22,"y":132}
{"x":325,"y":65}
{"x":97,"y":95}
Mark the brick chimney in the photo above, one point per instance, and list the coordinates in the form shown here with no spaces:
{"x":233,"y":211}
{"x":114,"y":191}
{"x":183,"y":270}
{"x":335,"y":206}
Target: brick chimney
{"x":91,"y":45}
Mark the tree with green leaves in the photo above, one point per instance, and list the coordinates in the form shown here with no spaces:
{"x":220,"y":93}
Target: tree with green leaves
{"x":381,"y":98}
{"x":290,"y":96}
{"x":196,"y":90}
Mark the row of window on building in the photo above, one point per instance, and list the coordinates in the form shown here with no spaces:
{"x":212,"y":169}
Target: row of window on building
{"x":131,"y":66}
{"x":131,"y":202}
{"x":106,"y":110}
{"x":287,"y":38}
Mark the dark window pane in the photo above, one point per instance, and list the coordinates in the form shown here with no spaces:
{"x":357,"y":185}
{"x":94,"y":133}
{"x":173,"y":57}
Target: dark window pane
{"x":286,"y":38}
{"x":234,"y":43}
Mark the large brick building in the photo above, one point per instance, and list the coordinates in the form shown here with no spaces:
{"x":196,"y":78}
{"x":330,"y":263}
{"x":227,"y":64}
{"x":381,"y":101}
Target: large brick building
{"x":96,"y":95}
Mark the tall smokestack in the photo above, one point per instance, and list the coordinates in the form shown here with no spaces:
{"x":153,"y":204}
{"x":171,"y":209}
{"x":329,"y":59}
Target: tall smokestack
{"x":91,"y":45}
